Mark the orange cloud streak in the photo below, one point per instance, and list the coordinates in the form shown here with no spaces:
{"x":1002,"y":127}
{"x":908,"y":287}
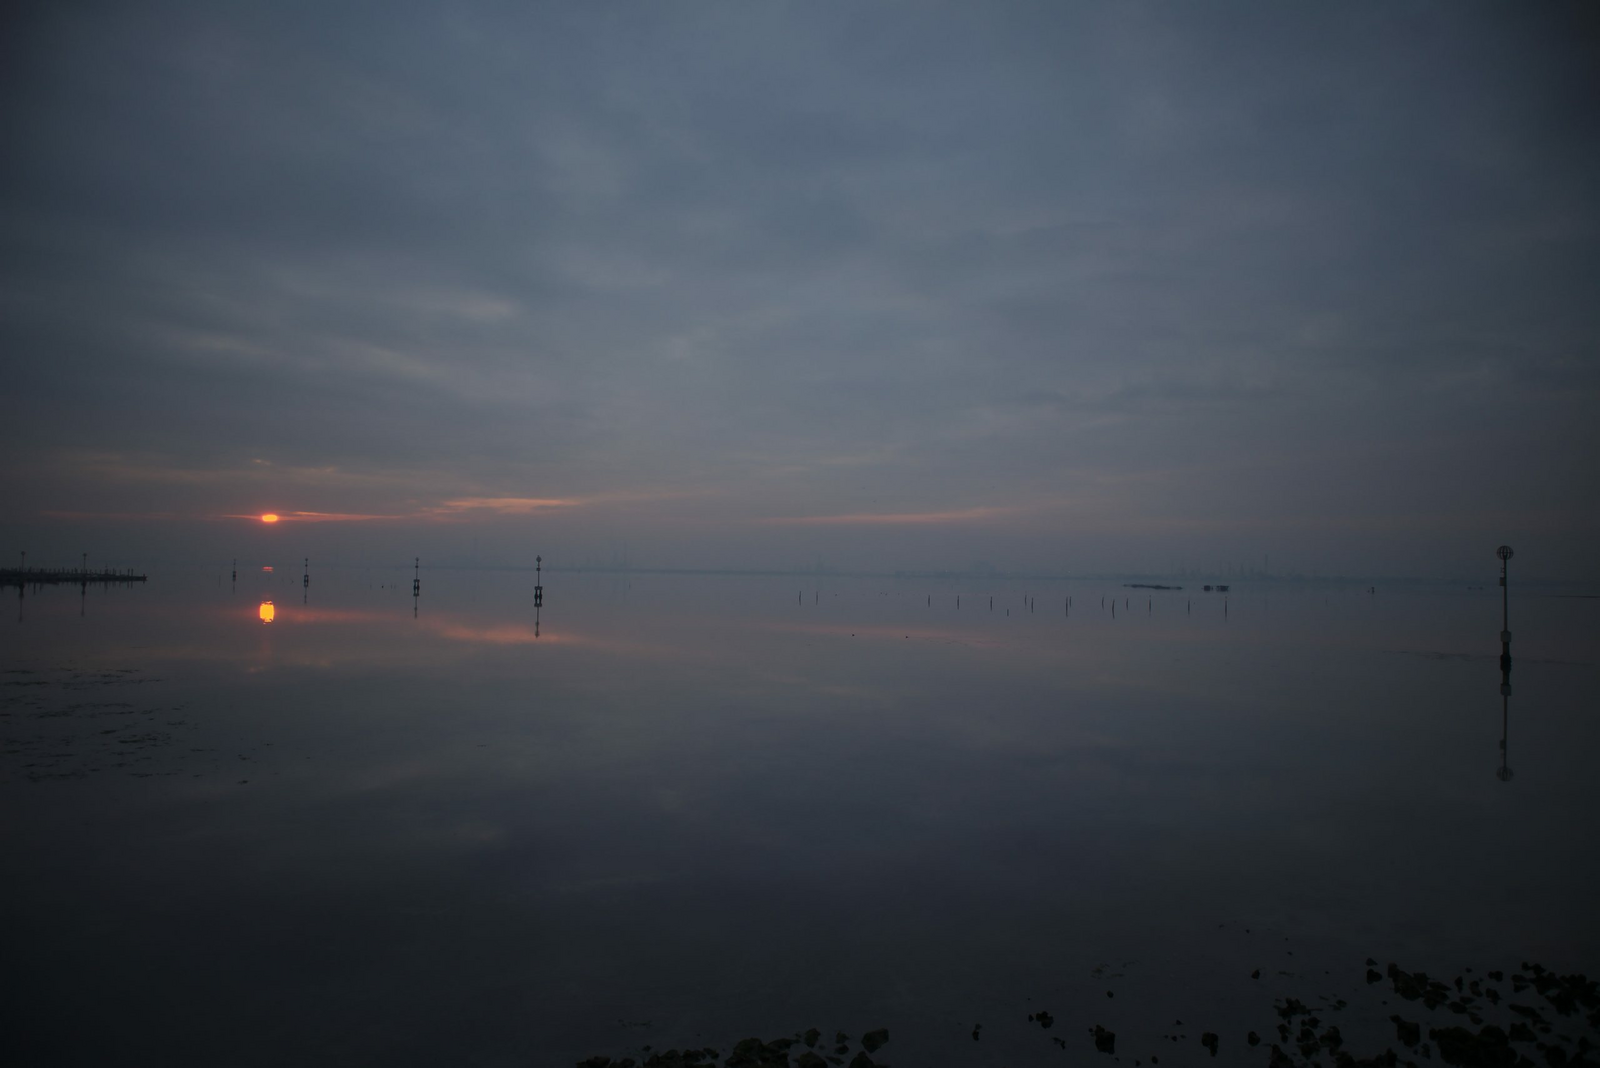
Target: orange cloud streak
{"x":964,"y":515}
{"x":456,"y":508}
{"x":505,"y":505}
{"x":313,"y":517}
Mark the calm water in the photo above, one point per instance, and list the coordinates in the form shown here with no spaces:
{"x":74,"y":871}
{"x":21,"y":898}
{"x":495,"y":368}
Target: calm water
{"x":691,"y":809}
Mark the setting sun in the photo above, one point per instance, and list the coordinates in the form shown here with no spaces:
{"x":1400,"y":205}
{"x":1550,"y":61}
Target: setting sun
{"x":270,"y":517}
{"x":268,"y":612}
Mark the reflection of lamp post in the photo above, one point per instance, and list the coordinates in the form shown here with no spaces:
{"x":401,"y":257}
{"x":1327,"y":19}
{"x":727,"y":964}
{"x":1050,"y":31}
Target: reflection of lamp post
{"x":1504,"y":553}
{"x":1504,"y":774}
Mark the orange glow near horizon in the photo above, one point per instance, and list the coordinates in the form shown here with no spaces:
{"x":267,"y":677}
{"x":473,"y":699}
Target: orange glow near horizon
{"x":964,"y":515}
{"x":267,"y":612}
{"x":269,"y":517}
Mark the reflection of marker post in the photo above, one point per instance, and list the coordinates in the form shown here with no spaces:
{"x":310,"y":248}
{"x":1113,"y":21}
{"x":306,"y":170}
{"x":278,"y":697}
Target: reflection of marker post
{"x":1505,"y":554}
{"x":1504,"y":774}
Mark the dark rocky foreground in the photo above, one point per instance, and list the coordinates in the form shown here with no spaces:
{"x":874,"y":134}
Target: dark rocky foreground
{"x":809,"y":1050}
{"x":1530,"y":1018}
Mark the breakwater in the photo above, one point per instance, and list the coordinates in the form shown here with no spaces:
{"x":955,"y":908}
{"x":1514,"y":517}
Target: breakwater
{"x":46,"y":576}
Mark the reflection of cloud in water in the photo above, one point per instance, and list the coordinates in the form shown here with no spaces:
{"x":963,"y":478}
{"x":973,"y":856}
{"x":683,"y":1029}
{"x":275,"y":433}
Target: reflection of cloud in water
{"x":496,"y":633}
{"x":522,"y":634}
{"x":307,"y":614}
{"x":844,"y":630}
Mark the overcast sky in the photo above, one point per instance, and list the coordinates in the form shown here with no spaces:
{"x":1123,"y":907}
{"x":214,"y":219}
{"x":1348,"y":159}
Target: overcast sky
{"x":1067,"y":286}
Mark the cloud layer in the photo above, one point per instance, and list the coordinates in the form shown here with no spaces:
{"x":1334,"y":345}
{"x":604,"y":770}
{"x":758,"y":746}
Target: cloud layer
{"x":1094,"y":286}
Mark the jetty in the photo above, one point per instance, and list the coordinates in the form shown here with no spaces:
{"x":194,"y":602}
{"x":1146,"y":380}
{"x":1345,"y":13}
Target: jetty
{"x":48,"y":576}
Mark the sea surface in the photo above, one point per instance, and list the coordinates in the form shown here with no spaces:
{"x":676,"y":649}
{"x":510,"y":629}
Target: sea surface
{"x":678,"y":810}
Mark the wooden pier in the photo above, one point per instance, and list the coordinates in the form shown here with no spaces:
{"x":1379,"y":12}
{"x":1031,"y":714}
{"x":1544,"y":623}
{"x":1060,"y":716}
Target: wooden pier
{"x":76,"y":576}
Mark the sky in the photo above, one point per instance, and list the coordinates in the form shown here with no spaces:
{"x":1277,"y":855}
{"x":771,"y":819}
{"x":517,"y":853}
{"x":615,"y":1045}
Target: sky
{"x":1061,"y":287}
